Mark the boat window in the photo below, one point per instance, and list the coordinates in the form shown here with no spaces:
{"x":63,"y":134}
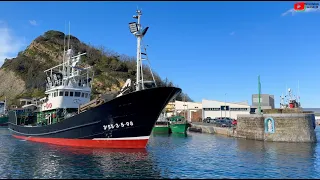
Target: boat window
{"x":86,"y":95}
{"x":60,"y":93}
{"x":149,"y":85}
{"x":77,"y":94}
{"x":82,"y":94}
{"x":71,"y":93}
{"x":66,"y":93}
{"x":55,"y":94}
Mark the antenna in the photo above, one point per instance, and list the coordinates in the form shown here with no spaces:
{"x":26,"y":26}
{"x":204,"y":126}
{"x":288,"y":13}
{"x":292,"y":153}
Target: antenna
{"x":64,"y":46}
{"x":5,"y":104}
{"x":259,"y":90}
{"x":69,"y":36}
{"x":298,"y":93}
{"x":286,"y":90}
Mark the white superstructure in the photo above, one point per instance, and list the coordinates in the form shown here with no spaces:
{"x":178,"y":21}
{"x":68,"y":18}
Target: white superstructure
{"x":68,"y":85}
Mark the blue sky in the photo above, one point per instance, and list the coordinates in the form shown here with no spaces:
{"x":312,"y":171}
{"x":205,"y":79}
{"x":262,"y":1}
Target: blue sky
{"x":207,"y":48}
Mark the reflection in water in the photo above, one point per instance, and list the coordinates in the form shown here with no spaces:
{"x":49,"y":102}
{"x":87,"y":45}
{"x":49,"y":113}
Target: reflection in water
{"x":25,"y":159}
{"x":174,"y":156}
{"x":283,"y":160}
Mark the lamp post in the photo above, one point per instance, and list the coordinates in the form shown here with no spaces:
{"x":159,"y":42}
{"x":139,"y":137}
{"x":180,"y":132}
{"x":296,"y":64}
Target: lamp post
{"x":259,"y":91}
{"x":225,"y":105}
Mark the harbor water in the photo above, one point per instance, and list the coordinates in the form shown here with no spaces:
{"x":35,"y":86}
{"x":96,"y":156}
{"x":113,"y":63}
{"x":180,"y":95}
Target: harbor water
{"x":195,"y":156}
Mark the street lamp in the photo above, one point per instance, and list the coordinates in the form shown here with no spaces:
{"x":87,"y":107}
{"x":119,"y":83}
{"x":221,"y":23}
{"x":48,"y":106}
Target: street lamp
{"x":225,"y":105}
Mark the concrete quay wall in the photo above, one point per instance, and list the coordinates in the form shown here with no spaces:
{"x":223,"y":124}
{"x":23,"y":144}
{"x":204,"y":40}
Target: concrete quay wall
{"x":210,"y":129}
{"x":288,"y":127}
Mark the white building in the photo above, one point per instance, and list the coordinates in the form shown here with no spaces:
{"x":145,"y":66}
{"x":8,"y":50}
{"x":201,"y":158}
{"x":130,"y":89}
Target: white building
{"x":214,"y":109}
{"x":188,"y":107}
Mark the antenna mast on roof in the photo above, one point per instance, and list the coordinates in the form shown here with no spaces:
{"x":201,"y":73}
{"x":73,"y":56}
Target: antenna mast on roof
{"x":64,"y":47}
{"x":69,"y":36}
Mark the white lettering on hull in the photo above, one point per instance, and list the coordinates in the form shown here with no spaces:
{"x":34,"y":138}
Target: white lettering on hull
{"x":120,"y":125}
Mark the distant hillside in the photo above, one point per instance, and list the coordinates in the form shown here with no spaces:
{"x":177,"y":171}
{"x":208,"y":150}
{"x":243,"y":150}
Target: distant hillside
{"x":23,"y":76}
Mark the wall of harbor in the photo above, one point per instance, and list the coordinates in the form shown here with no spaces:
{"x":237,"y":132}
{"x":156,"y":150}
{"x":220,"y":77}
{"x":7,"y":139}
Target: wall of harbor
{"x":286,"y":127}
{"x":210,"y":129}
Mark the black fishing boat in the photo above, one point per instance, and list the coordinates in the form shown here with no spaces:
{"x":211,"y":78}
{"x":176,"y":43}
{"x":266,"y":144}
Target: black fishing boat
{"x":66,"y":116}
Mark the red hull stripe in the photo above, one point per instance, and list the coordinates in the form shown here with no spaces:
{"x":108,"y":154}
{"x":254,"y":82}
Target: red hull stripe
{"x":130,"y":143}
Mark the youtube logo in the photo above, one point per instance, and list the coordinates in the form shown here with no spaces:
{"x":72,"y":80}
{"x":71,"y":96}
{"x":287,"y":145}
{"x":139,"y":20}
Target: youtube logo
{"x":300,"y":6}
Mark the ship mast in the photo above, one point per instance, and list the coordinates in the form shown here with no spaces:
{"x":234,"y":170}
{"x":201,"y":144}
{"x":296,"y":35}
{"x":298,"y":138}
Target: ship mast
{"x":135,"y":29}
{"x":5,"y":104}
{"x":138,"y":78}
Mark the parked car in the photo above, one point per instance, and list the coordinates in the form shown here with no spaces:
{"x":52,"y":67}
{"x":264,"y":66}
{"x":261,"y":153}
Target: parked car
{"x":207,"y":119}
{"x":234,"y":122}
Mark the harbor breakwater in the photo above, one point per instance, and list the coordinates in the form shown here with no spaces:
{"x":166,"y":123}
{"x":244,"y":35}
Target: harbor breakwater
{"x":277,"y":127}
{"x":288,"y":127}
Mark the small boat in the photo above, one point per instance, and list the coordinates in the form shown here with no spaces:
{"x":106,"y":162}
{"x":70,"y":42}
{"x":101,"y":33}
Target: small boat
{"x":161,"y":126}
{"x":178,"y":124}
{"x":4,"y":120}
{"x":3,"y":114}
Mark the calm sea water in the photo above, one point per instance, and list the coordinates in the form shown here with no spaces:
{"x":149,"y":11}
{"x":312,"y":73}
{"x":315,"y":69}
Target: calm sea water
{"x":194,"y":156}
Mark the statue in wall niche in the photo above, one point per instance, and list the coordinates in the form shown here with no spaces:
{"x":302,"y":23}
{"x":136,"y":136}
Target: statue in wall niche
{"x":269,"y":125}
{"x":270,"y":129}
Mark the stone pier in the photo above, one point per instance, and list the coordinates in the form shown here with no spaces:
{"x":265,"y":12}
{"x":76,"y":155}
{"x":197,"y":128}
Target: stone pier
{"x":280,"y":127}
{"x":275,"y":125}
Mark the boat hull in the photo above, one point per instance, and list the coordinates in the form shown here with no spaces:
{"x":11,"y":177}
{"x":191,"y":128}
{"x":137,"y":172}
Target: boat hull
{"x":161,"y":130}
{"x":131,"y":143}
{"x":4,"y":121}
{"x":179,"y":128}
{"x":124,"y":122}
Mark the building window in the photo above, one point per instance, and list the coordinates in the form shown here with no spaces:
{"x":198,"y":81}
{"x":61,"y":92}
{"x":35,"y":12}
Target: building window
{"x":225,"y":108}
{"x":211,"y":109}
{"x":66,"y":93}
{"x":238,"y":109}
{"x":77,"y":94}
{"x":71,"y":93}
{"x":60,"y":93}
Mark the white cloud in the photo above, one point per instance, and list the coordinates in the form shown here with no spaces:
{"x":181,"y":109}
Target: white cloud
{"x":232,"y":33}
{"x":33,"y":22}
{"x":308,"y":10}
{"x":10,"y":45}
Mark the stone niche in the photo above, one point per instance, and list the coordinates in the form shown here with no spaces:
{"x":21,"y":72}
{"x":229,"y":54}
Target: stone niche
{"x":278,"y":125}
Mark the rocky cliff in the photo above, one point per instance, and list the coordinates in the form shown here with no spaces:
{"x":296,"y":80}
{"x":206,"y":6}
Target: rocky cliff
{"x":23,"y":76}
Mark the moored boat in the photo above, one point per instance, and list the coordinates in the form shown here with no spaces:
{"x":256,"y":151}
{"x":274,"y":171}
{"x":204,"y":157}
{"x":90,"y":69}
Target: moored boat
{"x":4,"y":120}
{"x":66,"y":116}
{"x":161,"y":126}
{"x":3,"y":114}
{"x":178,"y":124}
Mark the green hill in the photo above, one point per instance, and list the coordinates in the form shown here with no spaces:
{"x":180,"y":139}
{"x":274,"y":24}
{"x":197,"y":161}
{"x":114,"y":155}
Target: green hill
{"x":23,"y":76}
